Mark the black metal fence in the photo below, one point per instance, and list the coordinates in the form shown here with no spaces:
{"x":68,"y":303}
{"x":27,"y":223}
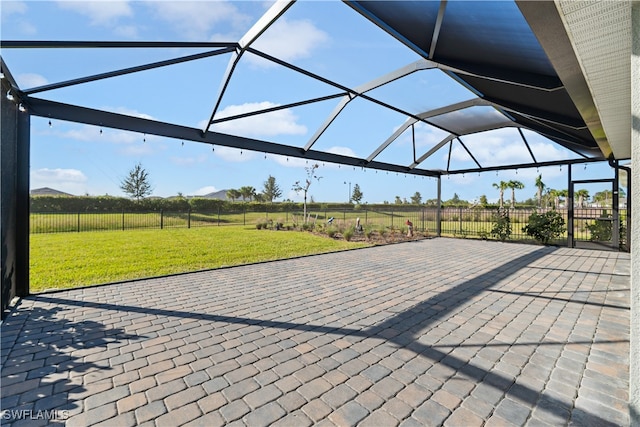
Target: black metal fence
{"x":59,"y":222}
{"x":589,"y":223}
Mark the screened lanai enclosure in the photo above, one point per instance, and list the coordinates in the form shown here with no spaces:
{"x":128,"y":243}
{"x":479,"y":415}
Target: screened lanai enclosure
{"x":418,"y":88}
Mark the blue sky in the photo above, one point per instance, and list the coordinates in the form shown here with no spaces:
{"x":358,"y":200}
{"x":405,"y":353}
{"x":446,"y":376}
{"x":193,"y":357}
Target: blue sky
{"x":325,"y":37}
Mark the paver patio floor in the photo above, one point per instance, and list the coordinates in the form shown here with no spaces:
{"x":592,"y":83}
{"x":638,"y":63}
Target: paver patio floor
{"x":433,"y":332}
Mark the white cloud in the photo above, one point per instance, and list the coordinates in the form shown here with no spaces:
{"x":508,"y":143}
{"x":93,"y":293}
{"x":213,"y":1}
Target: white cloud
{"x":99,"y":12}
{"x":290,"y":162}
{"x":11,"y":8}
{"x":343,"y":151}
{"x":92,"y":133}
{"x":504,"y":146}
{"x":282,"y":122}
{"x":288,"y":40}
{"x":205,"y":190}
{"x":129,"y":112}
{"x":196,"y":19}
{"x":297,"y":162}
{"x":230,"y":154}
{"x":30,"y":80}
{"x":126,"y":31}
{"x":71,"y":181}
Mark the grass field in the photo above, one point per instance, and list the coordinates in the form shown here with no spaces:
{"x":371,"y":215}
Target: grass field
{"x":68,"y":260}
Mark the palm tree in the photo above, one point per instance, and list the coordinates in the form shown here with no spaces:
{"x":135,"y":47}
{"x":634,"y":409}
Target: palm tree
{"x":514,"y":185}
{"x":562,"y":193}
{"x":247,"y":192}
{"x":540,"y":186}
{"x":503,"y":185}
{"x":554,"y":195}
{"x":582,"y":195}
{"x":233,"y":194}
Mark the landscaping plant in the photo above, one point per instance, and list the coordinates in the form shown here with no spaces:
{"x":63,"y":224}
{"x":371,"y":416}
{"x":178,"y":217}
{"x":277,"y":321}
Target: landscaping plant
{"x":546,"y":226}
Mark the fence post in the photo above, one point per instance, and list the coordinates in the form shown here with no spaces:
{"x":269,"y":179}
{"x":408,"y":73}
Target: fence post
{"x":244,"y":215}
{"x":366,"y":214}
{"x":218,"y":216}
{"x":122,"y":219}
{"x":189,"y":218}
{"x":422,"y":210}
{"x":460,"y":219}
{"x":161,"y":219}
{"x":78,"y":222}
{"x":392,"y":214}
{"x":344,"y":215}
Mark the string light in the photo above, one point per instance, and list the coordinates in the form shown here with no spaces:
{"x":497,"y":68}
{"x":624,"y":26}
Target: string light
{"x":182,"y":143}
{"x":50,"y":125}
{"x":21,"y":108}
{"x":100,"y":131}
{"x":213,"y":148}
{"x":144,"y":138}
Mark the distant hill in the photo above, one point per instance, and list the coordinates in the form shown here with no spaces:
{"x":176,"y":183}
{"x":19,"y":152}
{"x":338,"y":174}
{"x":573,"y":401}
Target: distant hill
{"x":220,"y":195}
{"x":46,"y":191}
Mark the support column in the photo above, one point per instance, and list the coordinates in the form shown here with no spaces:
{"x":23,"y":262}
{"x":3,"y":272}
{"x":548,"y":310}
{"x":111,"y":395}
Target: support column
{"x":14,"y":197}
{"x":634,"y":194}
{"x":570,"y":209}
{"x":439,"y":211}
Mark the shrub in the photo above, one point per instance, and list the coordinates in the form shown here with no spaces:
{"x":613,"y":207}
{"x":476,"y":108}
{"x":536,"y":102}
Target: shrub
{"x":600,"y":230}
{"x":546,"y":226}
{"x":501,"y":225}
{"x":368,"y":232}
{"x":331,"y":231}
{"x":348,"y":233}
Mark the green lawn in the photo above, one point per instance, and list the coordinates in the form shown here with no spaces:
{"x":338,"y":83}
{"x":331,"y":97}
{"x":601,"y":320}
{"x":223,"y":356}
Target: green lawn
{"x":68,"y":260}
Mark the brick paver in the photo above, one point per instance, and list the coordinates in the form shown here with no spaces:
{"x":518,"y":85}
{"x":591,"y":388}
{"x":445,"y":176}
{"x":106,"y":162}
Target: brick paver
{"x":434,"y":332}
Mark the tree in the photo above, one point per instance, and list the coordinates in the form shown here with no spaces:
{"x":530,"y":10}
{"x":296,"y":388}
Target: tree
{"x":540,"y":186}
{"x":233,"y":194}
{"x":137,"y":184}
{"x":357,"y":195}
{"x":503,"y":185}
{"x":514,"y":185}
{"x":603,"y":197}
{"x":271,"y":190}
{"x":247,"y":192}
{"x":553,"y":194}
{"x":483,"y":201}
{"x":304,"y":187}
{"x":416,"y":199}
{"x":583,"y":196}
{"x":398,"y":200}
